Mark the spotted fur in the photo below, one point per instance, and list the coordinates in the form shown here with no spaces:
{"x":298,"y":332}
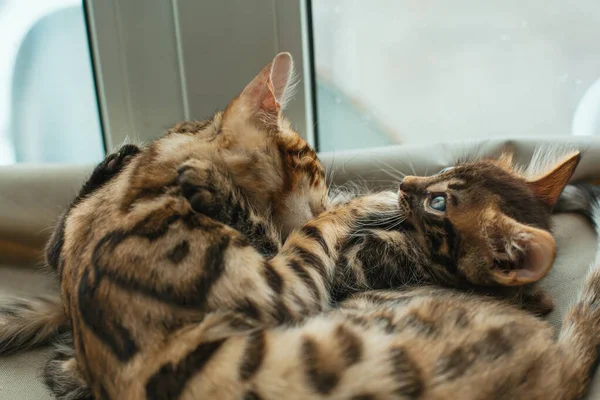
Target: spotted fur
{"x":177,"y":281}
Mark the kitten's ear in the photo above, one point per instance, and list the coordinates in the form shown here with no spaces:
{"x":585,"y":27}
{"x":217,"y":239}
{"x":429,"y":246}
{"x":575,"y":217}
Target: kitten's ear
{"x":269,"y":92}
{"x":522,"y":254}
{"x":551,"y":184}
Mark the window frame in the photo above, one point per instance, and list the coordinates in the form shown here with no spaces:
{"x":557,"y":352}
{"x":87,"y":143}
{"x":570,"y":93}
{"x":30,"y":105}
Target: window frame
{"x":130,"y":110}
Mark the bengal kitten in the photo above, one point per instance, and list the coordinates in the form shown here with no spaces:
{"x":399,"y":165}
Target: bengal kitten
{"x":173,"y":273}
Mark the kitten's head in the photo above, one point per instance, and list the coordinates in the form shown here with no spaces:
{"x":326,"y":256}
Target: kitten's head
{"x":488,"y":221}
{"x":256,"y":146}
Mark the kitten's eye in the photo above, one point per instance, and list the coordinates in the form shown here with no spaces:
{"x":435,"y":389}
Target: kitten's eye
{"x":438,"y":203}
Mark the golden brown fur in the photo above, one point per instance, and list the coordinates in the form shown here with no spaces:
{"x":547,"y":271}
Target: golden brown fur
{"x":177,"y":284}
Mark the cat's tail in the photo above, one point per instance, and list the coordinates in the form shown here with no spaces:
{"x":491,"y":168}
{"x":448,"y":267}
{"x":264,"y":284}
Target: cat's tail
{"x":580,"y":334}
{"x":29,"y":322}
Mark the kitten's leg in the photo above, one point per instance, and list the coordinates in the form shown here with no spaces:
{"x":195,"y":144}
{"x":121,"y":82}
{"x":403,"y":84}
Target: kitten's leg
{"x":533,"y":299}
{"x":442,"y":349}
{"x":294,"y":283}
{"x":212,"y":193}
{"x":306,"y":267}
{"x":328,"y":357}
{"x":62,"y":375}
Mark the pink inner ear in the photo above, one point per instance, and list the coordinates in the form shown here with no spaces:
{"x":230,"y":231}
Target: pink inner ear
{"x":281,"y":73}
{"x":270,"y":102}
{"x":270,"y":89}
{"x":540,"y":253}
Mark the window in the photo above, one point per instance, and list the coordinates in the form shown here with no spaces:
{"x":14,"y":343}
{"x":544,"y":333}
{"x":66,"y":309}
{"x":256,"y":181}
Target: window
{"x":383,"y":73}
{"x":396,"y":72}
{"x":48,"y":106}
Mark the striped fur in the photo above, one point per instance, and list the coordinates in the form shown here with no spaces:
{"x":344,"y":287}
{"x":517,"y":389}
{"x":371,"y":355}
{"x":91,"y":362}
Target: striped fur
{"x":29,"y":322}
{"x":178,"y":283}
{"x":423,"y":343}
{"x":283,"y":297}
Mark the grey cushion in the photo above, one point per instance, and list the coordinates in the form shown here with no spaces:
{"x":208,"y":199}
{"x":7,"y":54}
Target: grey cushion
{"x":31,"y":198}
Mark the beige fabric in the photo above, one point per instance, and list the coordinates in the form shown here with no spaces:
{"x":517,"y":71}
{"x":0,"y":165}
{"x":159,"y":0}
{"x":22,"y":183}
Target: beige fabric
{"x":32,"y":197}
{"x":20,"y":373}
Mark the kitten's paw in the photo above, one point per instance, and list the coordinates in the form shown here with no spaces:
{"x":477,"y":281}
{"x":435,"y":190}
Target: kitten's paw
{"x":114,"y":162}
{"x":537,"y":302}
{"x":529,"y":298}
{"x":62,"y":375}
{"x":108,"y":168}
{"x":197,"y":180}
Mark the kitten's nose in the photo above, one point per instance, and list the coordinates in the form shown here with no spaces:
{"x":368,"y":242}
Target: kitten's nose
{"x":408,"y":184}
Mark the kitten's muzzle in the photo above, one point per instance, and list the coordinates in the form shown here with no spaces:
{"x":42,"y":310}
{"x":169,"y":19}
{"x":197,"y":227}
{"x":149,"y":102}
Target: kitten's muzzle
{"x":411,"y":184}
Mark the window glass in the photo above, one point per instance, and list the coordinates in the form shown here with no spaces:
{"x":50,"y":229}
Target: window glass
{"x":399,"y":71}
{"x":48,"y":106}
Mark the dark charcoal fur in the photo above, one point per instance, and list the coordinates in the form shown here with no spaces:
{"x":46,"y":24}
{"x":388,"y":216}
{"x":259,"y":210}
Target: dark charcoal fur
{"x":64,"y":386}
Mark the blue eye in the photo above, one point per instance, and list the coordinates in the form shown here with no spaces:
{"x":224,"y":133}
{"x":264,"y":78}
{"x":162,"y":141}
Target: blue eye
{"x":438,"y":203}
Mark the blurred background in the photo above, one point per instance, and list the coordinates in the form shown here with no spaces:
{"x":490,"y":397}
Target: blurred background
{"x":387,"y":72}
{"x":48,"y":106}
{"x":423,"y":71}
